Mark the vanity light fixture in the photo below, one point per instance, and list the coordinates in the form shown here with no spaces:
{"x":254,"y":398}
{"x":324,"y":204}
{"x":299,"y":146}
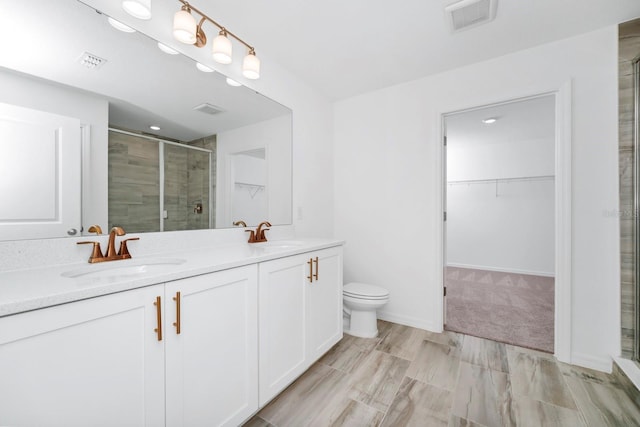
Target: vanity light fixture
{"x":490,"y":120}
{"x":204,"y":68}
{"x":186,"y":30}
{"x":166,"y":49}
{"x":140,"y":9}
{"x":120,"y":26}
{"x":233,"y":83}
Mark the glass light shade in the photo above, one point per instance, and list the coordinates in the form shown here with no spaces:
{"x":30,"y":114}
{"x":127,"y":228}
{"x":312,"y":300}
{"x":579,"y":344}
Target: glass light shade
{"x":184,"y":27}
{"x":120,"y":26}
{"x":166,"y":49}
{"x":140,"y":9}
{"x":222,"y":49}
{"x":233,"y":83}
{"x":251,"y":67}
{"x":204,"y":68}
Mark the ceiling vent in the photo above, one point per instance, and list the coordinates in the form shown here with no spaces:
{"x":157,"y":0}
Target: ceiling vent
{"x":91,"y":61}
{"x":466,"y":14}
{"x":208,"y":109}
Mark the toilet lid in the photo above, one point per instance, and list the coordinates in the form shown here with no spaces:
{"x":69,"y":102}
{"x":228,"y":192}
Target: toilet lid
{"x":360,"y":290}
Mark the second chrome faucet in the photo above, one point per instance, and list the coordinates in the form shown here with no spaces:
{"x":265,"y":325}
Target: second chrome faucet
{"x":110,"y":254}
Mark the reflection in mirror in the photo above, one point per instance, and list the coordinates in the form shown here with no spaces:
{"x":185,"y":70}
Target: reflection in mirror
{"x":185,"y":175}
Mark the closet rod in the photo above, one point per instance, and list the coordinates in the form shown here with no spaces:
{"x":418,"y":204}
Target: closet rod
{"x":495,"y":180}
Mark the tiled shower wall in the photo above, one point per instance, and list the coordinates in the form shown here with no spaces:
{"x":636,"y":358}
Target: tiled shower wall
{"x":629,"y":49}
{"x":134,"y":192}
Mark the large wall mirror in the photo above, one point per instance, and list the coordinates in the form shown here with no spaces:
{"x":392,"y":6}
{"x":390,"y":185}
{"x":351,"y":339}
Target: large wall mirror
{"x":78,"y":99}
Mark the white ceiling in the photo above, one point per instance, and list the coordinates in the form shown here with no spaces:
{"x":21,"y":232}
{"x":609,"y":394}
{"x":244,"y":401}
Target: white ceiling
{"x":347,"y":47}
{"x":519,"y":121}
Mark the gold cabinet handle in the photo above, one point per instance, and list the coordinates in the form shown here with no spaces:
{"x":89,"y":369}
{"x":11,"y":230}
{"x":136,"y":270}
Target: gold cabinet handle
{"x":177,"y":322}
{"x":310,"y":276}
{"x":317,"y":264}
{"x":158,"y":305}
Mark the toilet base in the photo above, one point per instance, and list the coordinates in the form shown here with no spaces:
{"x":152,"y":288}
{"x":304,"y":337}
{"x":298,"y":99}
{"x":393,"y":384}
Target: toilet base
{"x":362,"y":324}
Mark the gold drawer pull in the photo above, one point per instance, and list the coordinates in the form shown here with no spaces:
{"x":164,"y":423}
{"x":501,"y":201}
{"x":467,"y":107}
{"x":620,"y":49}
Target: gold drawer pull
{"x":310,"y":276}
{"x":158,"y":305}
{"x":177,"y":322}
{"x":317,"y":264}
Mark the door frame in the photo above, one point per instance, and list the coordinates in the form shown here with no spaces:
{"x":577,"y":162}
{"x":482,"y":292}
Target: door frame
{"x":562,"y":216}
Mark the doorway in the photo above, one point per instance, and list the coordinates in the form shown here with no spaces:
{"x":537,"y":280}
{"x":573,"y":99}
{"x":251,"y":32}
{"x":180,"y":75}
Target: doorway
{"x":500,"y":233}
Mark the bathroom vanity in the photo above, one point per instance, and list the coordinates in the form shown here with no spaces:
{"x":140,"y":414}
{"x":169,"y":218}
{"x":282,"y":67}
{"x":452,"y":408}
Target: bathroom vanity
{"x":199,"y":338}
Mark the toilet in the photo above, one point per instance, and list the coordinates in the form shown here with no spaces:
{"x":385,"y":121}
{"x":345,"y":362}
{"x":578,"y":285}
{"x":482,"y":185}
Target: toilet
{"x":361,"y":301}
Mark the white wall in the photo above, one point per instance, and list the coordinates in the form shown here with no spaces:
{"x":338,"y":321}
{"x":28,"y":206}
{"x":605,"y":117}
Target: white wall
{"x":505,"y":225}
{"x":388,"y":180}
{"x":272,"y":136}
{"x":30,"y":92}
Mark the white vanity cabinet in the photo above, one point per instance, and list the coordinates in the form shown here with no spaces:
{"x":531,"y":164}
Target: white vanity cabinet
{"x":103,"y":362}
{"x":300,"y":314}
{"x":95,"y":362}
{"x":212,"y":364}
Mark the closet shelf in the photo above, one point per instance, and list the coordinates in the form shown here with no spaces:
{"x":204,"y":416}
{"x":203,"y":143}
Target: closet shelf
{"x":497,"y":180}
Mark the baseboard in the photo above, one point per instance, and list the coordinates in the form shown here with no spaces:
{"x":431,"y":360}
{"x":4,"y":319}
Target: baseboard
{"x":502,"y":270}
{"x":628,"y":374}
{"x":604,"y":363}
{"x":408,"y":321}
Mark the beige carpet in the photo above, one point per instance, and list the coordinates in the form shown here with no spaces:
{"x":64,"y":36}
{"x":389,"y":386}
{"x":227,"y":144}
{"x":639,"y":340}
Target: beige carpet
{"x":506,"y":307}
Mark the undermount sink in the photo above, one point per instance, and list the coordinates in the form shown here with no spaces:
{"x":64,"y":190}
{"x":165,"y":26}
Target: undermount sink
{"x":278,"y":244}
{"x":124,"y":268}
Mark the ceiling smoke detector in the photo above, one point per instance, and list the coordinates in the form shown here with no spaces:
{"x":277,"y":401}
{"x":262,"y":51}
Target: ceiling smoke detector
{"x":208,"y":109}
{"x":91,"y":61}
{"x":466,"y":14}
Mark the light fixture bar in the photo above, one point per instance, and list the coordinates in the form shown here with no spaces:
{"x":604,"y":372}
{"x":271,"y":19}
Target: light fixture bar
{"x":204,"y":16}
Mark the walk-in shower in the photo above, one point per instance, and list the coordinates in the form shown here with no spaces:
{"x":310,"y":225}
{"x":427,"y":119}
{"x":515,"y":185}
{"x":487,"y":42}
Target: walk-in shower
{"x":160,"y":185}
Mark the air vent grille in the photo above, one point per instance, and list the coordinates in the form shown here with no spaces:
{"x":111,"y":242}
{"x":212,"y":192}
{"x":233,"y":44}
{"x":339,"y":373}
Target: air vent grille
{"x":208,"y":109}
{"x":91,"y":61}
{"x":470,"y":13}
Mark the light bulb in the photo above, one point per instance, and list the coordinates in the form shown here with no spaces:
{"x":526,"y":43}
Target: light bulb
{"x":140,"y":9}
{"x":184,"y":26}
{"x":222,"y":49}
{"x":251,"y":66}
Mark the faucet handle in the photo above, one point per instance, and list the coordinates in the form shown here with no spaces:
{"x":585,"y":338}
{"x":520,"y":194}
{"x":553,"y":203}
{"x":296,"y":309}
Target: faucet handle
{"x":95,"y":229}
{"x":96,"y":253}
{"x":262,"y":237}
{"x":241,"y":222}
{"x":124,"y":250}
{"x":252,"y":236}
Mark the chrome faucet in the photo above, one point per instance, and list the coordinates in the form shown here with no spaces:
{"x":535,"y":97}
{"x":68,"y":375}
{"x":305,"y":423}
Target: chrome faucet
{"x":111,"y":254}
{"x":258,"y":235}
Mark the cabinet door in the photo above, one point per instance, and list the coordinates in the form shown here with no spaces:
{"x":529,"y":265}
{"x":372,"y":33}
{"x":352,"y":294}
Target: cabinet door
{"x":283,"y":316}
{"x":212,"y":364}
{"x":89,"y":363}
{"x":324,"y":302}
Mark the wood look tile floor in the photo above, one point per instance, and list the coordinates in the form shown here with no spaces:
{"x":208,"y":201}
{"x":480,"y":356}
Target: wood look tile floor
{"x":411,"y":377}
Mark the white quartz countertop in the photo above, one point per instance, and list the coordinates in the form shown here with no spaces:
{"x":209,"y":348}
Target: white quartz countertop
{"x":31,"y":289}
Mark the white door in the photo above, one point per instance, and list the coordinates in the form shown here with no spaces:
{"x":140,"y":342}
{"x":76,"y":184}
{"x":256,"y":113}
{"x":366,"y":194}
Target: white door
{"x":324,"y":301}
{"x":212,"y":359}
{"x":94,"y":363}
{"x":283,"y":318}
{"x":40,"y":176}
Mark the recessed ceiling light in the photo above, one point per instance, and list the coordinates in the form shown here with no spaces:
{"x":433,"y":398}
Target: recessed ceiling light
{"x":490,"y":120}
{"x":233,"y":83}
{"x":204,"y":68}
{"x":167,"y":49}
{"x":154,"y":127}
{"x":120,"y":26}
{"x":140,"y":9}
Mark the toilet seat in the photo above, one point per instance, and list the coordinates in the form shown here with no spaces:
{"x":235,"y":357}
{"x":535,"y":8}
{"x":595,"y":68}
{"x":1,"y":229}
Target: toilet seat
{"x":365,"y":291}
